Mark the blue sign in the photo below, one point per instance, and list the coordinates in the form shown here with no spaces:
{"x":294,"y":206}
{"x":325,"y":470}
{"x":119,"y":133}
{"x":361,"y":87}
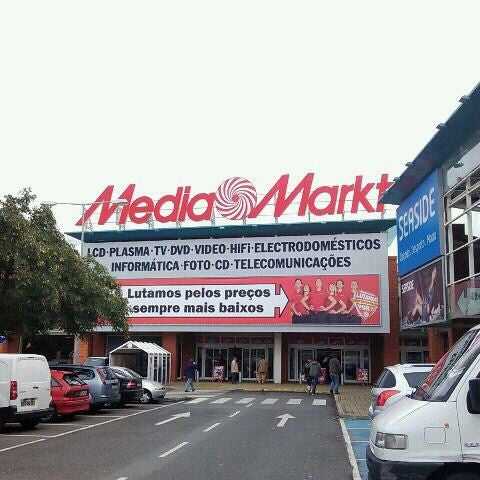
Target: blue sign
{"x":419,"y":220}
{"x":3,"y":339}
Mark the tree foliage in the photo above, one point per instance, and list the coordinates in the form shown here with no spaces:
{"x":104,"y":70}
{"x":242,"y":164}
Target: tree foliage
{"x":44,"y":283}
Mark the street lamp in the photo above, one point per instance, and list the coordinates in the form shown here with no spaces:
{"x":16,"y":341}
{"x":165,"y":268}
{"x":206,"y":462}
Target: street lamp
{"x":117,"y":201}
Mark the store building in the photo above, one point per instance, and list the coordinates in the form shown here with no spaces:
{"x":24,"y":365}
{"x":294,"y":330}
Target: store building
{"x":212,"y":293}
{"x":438,"y":231}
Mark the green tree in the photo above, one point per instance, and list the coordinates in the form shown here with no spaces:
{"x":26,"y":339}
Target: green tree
{"x":44,"y":283}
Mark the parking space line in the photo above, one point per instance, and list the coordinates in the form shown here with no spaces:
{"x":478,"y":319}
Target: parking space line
{"x":111,"y":420}
{"x":234,"y":414}
{"x":249,"y":405}
{"x":25,"y":435}
{"x":351,"y":455}
{"x":22,"y":444}
{"x":212,"y":427}
{"x":174,"y":449}
{"x":106,"y":416}
{"x":122,"y":478}
{"x":67,"y":424}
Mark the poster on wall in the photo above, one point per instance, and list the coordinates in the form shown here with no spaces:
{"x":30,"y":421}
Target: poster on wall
{"x":312,"y":280}
{"x":422,"y":296}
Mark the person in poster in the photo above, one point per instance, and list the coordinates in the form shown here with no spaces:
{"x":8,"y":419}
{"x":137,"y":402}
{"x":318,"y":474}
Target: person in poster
{"x":351,"y":306}
{"x":318,"y":297}
{"x":296,"y":299}
{"x":340,"y":297}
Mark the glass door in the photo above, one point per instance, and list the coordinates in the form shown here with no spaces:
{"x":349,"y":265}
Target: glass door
{"x":213,"y":358}
{"x":351,"y":363}
{"x":250,"y":359}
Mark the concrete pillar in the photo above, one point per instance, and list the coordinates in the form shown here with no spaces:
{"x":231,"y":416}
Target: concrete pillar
{"x":169,"y":343}
{"x":277,"y":358}
{"x":83,"y":350}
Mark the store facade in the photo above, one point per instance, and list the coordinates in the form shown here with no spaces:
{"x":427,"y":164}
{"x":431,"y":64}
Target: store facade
{"x":438,"y":231}
{"x":214,"y":293}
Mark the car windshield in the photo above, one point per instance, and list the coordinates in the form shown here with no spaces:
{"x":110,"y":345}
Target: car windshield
{"x":131,"y":372}
{"x":446,"y":374}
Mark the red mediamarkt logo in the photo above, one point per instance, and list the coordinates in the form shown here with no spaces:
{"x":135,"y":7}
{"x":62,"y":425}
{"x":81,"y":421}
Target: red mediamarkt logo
{"x":236,"y":198}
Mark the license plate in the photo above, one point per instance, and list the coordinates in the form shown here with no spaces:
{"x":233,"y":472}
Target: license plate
{"x":28,"y":402}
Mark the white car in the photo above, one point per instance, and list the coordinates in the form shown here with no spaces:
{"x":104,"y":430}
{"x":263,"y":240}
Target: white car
{"x":396,"y":382}
{"x":152,"y":391}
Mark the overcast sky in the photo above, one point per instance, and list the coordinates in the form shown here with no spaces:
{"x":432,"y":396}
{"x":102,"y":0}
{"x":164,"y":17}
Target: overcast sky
{"x":164,"y":94}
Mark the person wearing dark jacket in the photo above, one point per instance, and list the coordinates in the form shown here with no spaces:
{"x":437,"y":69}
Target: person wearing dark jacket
{"x":190,"y":370}
{"x":314,"y":373}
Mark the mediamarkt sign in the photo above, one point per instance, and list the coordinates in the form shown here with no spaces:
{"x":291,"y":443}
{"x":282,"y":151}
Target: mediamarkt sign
{"x":236,"y":199}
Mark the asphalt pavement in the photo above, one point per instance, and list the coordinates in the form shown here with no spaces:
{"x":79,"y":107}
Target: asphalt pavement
{"x":234,"y":435}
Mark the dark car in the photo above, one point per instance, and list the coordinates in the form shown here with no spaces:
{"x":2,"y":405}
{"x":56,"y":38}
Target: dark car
{"x":131,"y":388}
{"x":104,"y":384}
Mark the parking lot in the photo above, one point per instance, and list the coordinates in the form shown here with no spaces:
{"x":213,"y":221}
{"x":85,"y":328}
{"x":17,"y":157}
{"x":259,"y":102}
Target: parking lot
{"x":239,"y":435}
{"x":14,"y":436}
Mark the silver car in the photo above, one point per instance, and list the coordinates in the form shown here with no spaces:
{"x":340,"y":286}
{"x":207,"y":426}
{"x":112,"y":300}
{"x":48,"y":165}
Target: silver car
{"x":152,"y":391}
{"x":104,"y":385}
{"x":396,"y":382}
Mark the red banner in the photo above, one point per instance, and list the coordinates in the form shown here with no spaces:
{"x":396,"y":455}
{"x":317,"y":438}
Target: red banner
{"x":340,"y":300}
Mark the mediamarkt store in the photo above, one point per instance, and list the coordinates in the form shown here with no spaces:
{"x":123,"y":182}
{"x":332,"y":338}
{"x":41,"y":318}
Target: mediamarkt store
{"x":282,"y":291}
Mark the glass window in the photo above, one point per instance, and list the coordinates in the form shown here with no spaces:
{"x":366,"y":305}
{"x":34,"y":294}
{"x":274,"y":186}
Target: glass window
{"x":73,"y":380}
{"x":459,"y":231}
{"x":85,"y":373}
{"x":475,"y":217}
{"x":460,"y":264}
{"x":414,"y":379}
{"x":54,"y":383}
{"x":386,"y":379}
{"x":464,"y":164}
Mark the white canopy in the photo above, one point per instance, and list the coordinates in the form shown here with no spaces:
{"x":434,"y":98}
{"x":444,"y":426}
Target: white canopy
{"x":159,"y":360}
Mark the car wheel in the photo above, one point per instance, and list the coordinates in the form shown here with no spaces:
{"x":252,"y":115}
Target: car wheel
{"x":462,"y":476}
{"x":52,"y":417}
{"x":30,"y":423}
{"x":146,"y":397}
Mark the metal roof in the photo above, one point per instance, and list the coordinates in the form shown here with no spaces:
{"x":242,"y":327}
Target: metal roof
{"x":144,"y":346}
{"x":452,"y":134}
{"x":232,"y":231}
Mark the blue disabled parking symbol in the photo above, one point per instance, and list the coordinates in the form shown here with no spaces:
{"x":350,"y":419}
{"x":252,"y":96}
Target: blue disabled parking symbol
{"x":3,"y":339}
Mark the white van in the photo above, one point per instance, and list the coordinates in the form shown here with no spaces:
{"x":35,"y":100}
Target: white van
{"x":434,"y":434}
{"x":25,"y":395}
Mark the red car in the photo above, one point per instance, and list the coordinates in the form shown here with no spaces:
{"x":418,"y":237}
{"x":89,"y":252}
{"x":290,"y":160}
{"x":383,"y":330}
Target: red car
{"x":70,"y":394}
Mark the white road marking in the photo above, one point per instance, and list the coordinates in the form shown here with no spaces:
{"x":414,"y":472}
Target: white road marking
{"x":175,"y":417}
{"x":249,"y":405}
{"x":68,"y":424}
{"x":26,"y":435}
{"x":351,"y":455}
{"x":269,"y":401}
{"x":106,"y":416}
{"x":320,"y":402}
{"x":90,"y":426}
{"x":22,"y":445}
{"x":294,"y":401}
{"x":174,"y":449}
{"x":246,"y":400}
{"x":234,"y":414}
{"x":284,"y":419}
{"x":222,"y":400}
{"x":212,"y":427}
{"x":122,"y":478}
{"x":199,"y":400}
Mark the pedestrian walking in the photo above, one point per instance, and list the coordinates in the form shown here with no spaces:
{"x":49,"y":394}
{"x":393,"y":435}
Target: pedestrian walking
{"x":234,"y":370}
{"x":190,"y":370}
{"x":335,"y":369}
{"x":262,"y":369}
{"x":314,"y":373}
{"x":306,"y":374}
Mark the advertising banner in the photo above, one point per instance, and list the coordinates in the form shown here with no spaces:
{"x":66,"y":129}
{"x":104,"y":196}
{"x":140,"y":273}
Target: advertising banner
{"x":419,"y":220}
{"x":308,"y":280}
{"x":422,"y":296}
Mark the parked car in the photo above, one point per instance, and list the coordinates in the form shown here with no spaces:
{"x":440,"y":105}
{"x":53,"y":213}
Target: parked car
{"x":103,"y":384}
{"x":70,"y":394}
{"x":24,"y":389}
{"x":152,"y":391}
{"x":96,"y":361}
{"x":396,"y":382}
{"x":131,"y":389}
